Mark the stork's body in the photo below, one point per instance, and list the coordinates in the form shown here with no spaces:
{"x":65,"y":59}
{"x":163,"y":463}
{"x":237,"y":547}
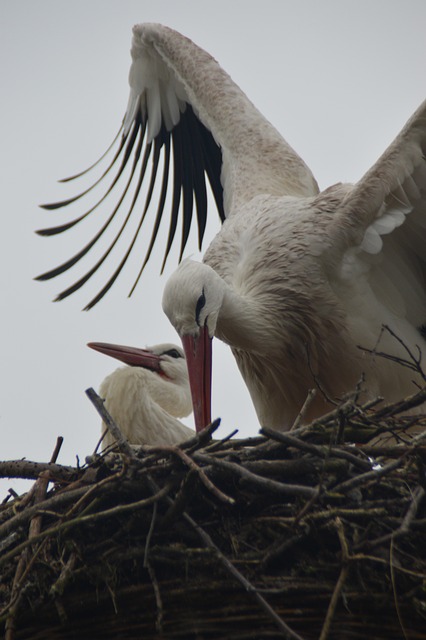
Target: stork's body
{"x":296,"y":320}
{"x":298,"y":283}
{"x":146,"y":398}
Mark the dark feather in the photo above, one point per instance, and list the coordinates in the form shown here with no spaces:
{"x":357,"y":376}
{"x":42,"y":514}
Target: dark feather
{"x":195,"y":155}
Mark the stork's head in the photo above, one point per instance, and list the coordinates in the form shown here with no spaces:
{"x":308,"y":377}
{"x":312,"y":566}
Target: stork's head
{"x":192,"y":301}
{"x":164,"y":360}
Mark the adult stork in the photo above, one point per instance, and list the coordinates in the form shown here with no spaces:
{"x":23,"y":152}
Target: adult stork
{"x":299,"y":283}
{"x":146,"y":397}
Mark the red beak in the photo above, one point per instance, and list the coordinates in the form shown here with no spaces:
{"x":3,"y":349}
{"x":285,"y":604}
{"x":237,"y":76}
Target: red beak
{"x":198,"y":351}
{"x":129,"y":355}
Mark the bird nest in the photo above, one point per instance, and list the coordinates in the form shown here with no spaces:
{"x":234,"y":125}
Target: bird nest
{"x":286,"y":535}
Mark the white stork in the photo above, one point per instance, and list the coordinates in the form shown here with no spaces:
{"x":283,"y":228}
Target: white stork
{"x":146,"y":397}
{"x":298,"y":283}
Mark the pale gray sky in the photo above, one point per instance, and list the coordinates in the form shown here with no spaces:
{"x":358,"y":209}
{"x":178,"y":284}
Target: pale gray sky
{"x":338,"y":78}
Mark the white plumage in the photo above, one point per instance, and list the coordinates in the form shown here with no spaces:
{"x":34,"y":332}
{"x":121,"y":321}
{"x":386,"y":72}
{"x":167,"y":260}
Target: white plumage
{"x":299,"y":283}
{"x":146,"y":398}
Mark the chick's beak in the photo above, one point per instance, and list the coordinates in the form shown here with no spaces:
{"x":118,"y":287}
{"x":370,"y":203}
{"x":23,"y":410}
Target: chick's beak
{"x":129,"y":355}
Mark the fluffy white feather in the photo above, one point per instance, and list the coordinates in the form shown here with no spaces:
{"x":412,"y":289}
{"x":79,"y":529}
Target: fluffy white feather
{"x":146,"y":404}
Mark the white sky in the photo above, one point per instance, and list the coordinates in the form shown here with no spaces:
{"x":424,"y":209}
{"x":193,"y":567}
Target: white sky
{"x":338,"y":78}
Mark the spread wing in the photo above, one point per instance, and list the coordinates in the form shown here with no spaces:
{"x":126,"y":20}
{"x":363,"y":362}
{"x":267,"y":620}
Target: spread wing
{"x":382,"y":223}
{"x":187,"y":126}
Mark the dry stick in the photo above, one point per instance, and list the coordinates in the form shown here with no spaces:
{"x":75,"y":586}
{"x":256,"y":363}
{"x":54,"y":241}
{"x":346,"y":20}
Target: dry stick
{"x":217,"y":444}
{"x":203,"y":534}
{"x":323,"y":451}
{"x":58,"y":587}
{"x":158,"y":599}
{"x":276,"y":551}
{"x":395,"y":597}
{"x":259,"y":481}
{"x":289,"y":633}
{"x":123,"y":445}
{"x":402,"y":405}
{"x":340,"y":582}
{"x":404,"y":527}
{"x":375,"y":474}
{"x":387,"y":468}
{"x":94,"y":489}
{"x":201,"y":438}
{"x":93,"y":517}
{"x":414,"y":363}
{"x":29,"y":470}
{"x":380,"y":451}
{"x":180,"y":499}
{"x":418,"y":496}
{"x":302,"y":413}
{"x":348,"y":408}
{"x":125,"y":448}
{"x":149,"y":534}
{"x":176,"y":451}
{"x":121,"y":441}
{"x":24,"y":564}
{"x":58,"y":500}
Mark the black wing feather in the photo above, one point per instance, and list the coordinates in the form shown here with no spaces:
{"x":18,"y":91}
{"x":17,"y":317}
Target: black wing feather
{"x":195,"y":156}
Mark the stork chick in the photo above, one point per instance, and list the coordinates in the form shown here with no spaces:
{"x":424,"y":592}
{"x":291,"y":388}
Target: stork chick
{"x":146,"y":397}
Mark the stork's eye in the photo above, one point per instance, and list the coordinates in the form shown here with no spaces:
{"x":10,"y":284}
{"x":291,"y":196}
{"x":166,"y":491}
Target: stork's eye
{"x":200,"y":304}
{"x":173,"y":353}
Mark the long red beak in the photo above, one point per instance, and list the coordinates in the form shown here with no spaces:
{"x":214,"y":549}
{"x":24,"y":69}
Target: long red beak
{"x":198,"y":351}
{"x":129,"y":355}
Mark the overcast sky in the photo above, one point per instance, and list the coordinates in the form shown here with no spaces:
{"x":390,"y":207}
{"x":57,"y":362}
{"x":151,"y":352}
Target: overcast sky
{"x":337,"y":78}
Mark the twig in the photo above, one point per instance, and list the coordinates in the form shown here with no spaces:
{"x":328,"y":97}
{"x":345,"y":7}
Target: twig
{"x":279,"y":622}
{"x":340,"y":582}
{"x":96,"y":488}
{"x":404,"y":527}
{"x":25,"y":564}
{"x":276,"y":551}
{"x":30,"y":470}
{"x":259,"y":481}
{"x":395,"y":596}
{"x":58,"y":587}
{"x":413,"y":363}
{"x":177,"y":506}
{"x":302,"y":413}
{"x":320,"y":451}
{"x":121,"y":441}
{"x":149,"y":534}
{"x":288,"y":633}
{"x":158,"y":599}
{"x":189,"y":462}
{"x":21,"y":519}
{"x":201,"y":438}
{"x":375,"y":474}
{"x":219,"y":443}
{"x":406,"y":404}
{"x":79,"y":520}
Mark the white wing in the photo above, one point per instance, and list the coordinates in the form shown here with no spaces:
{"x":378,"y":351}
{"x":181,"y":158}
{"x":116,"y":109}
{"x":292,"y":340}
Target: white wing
{"x":381,"y":223}
{"x":184,"y":108}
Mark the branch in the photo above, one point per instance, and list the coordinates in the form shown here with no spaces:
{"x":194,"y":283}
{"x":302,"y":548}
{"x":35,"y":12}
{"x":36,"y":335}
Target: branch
{"x":29,"y":470}
{"x":189,"y":462}
{"x":340,"y":582}
{"x":289,"y":633}
{"x":93,"y":517}
{"x":265,"y":483}
{"x":323,"y":451}
{"x":121,"y":441}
